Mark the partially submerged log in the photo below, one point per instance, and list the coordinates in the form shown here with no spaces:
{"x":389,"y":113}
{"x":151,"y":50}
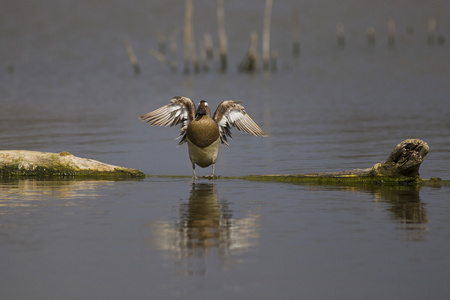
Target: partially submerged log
{"x":15,"y":163}
{"x":401,"y":167}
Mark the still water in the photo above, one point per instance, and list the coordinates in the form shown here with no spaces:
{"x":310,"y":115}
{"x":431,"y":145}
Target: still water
{"x":66,"y":85}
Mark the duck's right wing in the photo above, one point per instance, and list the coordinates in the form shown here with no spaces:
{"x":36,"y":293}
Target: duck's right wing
{"x":232,"y":114}
{"x":179,"y":110}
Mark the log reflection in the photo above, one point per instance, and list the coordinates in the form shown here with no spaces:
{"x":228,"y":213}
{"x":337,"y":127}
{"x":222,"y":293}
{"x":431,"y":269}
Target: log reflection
{"x":406,"y":206}
{"x":407,"y":209}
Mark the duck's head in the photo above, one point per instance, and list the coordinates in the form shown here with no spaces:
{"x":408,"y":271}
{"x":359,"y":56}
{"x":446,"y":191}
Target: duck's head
{"x":203,"y":109}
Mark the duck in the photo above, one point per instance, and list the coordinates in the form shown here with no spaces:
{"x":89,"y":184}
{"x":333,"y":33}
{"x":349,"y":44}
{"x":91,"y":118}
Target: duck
{"x":199,"y":130}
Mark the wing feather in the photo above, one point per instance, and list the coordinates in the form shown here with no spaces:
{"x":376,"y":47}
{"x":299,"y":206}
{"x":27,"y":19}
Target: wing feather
{"x":179,"y":110}
{"x":232,"y":114}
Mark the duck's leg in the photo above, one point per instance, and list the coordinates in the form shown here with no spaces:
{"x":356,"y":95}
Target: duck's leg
{"x":193,"y":169}
{"x":213,"y":168}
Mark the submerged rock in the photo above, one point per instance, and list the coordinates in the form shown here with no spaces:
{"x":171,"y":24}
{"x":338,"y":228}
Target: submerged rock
{"x":34,"y":163}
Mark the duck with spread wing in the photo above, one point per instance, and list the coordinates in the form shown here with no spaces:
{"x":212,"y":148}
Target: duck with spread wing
{"x":202,"y":133}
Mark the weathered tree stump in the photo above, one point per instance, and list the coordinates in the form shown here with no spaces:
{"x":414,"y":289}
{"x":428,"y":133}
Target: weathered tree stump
{"x":14,"y":163}
{"x":405,"y":160}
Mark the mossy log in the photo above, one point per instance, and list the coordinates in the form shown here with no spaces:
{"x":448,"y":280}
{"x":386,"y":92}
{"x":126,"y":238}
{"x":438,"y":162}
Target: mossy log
{"x":401,"y":167}
{"x":17,"y":163}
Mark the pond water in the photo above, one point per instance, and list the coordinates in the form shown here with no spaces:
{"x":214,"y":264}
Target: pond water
{"x":66,"y":85}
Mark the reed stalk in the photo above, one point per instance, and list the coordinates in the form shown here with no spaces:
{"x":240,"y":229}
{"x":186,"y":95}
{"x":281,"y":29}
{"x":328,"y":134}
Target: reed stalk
{"x":391,"y":33}
{"x":340,"y":35}
{"x":266,"y":35}
{"x":432,"y":25}
{"x":296,"y":34}
{"x":164,"y":59}
{"x":188,"y":35}
{"x":371,"y":35}
{"x":222,"y":36}
{"x":250,"y":61}
{"x":132,"y":56}
{"x":209,"y":48}
{"x":162,"y":43}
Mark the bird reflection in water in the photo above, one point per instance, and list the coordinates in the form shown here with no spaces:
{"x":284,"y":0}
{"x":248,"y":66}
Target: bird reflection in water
{"x":206,"y":226}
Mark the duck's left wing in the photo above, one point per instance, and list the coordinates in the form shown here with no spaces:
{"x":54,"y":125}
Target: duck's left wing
{"x":179,"y":110}
{"x":232,"y":114}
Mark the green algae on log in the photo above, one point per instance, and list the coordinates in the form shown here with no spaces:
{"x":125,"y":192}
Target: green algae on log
{"x":14,"y":163}
{"x":401,"y":167}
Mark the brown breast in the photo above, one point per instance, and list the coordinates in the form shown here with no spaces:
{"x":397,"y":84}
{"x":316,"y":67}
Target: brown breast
{"x":203,"y":132}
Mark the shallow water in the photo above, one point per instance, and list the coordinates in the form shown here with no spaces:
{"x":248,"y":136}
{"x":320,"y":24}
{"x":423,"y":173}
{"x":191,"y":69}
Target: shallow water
{"x":67,"y":85}
{"x":168,"y":238}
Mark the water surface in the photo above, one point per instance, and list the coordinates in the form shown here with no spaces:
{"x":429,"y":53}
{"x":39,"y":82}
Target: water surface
{"x":66,"y":85}
{"x":171,"y":238}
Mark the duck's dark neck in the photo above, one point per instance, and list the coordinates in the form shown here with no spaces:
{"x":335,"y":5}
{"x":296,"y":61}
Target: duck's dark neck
{"x":202,"y":110}
{"x":198,"y":117}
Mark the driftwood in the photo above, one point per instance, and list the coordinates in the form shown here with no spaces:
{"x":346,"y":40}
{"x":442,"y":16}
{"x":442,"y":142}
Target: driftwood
{"x":401,"y":167}
{"x":15,"y":163}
